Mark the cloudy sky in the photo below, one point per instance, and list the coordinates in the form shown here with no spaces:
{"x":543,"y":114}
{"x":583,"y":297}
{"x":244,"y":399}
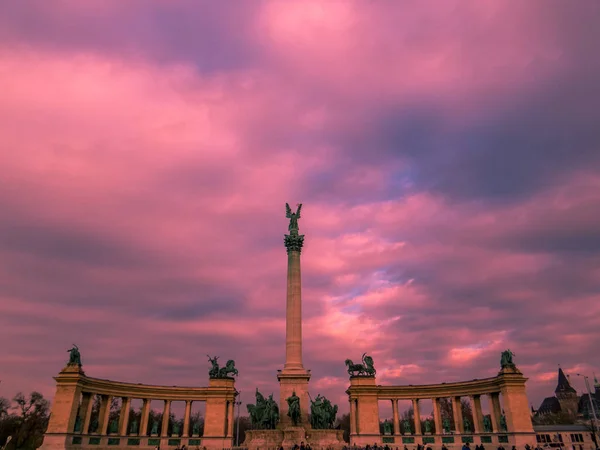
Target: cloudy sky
{"x":447,"y":155}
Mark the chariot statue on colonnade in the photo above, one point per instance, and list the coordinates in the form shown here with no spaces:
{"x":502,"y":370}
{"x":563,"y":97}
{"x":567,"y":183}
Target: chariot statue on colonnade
{"x":367,"y":368}
{"x":221,"y":372}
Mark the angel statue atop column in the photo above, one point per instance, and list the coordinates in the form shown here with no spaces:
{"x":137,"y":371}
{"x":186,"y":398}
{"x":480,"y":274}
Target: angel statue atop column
{"x":293,"y":216}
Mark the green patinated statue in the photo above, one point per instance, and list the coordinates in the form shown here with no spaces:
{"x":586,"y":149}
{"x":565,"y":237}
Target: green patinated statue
{"x":77,"y":428}
{"x":271,"y":413}
{"x":322,"y":413}
{"x":487,"y":424}
{"x":467,"y":425}
{"x":293,"y":402}
{"x":503,"y":423}
{"x":214,"y":370}
{"x":154,"y":429}
{"x":264,"y":415}
{"x":506,"y":359}
{"x":446,"y":425}
{"x":134,"y":427}
{"x":293,"y":226}
{"x":406,"y":427}
{"x":387,"y":428}
{"x":223,"y":372}
{"x":74,"y":356}
{"x":365,"y":369}
{"x":427,"y":426}
{"x":175,"y":429}
{"x":114,"y":427}
{"x":196,"y":429}
{"x":94,"y":425}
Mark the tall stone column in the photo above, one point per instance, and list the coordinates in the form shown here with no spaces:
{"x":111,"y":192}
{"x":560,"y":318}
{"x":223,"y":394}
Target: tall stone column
{"x":230,"y":419}
{"x":353,"y":413}
{"x":477,"y":415}
{"x":396,"y":416}
{"x":104,"y":414}
{"x":164,"y":429}
{"x":186,"y":418}
{"x":145,"y":416}
{"x":124,"y":416}
{"x":294,"y":377}
{"x":86,"y":411}
{"x":437,"y":416}
{"x":417,"y":415}
{"x":457,"y":413}
{"x":495,"y":411}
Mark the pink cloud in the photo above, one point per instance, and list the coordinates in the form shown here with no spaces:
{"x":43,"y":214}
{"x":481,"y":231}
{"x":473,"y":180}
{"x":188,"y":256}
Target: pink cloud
{"x":143,"y":204}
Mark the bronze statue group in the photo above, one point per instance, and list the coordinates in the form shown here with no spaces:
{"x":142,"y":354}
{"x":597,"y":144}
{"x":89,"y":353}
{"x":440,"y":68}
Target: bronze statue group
{"x":265,"y":413}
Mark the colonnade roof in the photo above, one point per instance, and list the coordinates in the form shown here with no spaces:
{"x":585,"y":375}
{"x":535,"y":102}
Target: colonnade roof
{"x":484,"y":386}
{"x":218,"y":388}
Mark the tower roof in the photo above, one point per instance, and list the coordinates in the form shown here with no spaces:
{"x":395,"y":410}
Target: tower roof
{"x":563,"y":383}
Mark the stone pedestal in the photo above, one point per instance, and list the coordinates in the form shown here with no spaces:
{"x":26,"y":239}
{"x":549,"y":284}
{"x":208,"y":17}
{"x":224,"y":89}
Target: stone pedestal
{"x":292,"y":436}
{"x":218,"y":424}
{"x":367,"y":413}
{"x":289,"y":436}
{"x":64,"y":408}
{"x":261,"y":439}
{"x":291,"y":381}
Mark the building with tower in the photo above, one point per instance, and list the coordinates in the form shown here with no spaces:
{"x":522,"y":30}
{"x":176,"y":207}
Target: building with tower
{"x":567,"y":403}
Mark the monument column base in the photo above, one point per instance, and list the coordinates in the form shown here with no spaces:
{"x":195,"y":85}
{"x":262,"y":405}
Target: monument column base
{"x":291,"y":381}
{"x":217,"y":442}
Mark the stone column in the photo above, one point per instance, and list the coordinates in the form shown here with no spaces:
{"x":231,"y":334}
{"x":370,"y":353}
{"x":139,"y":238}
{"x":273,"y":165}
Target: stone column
{"x":417,"y":416}
{"x":124,"y":416}
{"x":294,"y":377}
{"x":230,"y":419}
{"x":104,"y":413}
{"x":495,"y":411}
{"x":144,"y":418}
{"x":457,"y":413}
{"x":186,"y":419}
{"x":396,"y":416}
{"x":437,"y":416}
{"x":353,"y":417}
{"x":293,"y":329}
{"x":85,"y":411}
{"x":164,"y":429}
{"x":477,"y":415}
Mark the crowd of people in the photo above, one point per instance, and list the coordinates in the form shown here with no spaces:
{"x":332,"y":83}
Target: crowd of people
{"x":466,"y":446}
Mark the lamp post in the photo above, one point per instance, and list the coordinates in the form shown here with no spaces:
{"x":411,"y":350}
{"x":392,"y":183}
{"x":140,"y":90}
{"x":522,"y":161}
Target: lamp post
{"x":587,"y":385}
{"x":237,"y":433}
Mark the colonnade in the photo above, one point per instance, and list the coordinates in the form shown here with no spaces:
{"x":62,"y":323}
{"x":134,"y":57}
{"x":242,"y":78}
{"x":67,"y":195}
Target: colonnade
{"x":459,"y":428}
{"x":71,"y":415}
{"x":513,"y":427}
{"x":124,"y":427}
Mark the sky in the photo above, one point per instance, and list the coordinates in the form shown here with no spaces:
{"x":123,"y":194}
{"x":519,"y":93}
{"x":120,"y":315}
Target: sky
{"x":447,"y":156}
